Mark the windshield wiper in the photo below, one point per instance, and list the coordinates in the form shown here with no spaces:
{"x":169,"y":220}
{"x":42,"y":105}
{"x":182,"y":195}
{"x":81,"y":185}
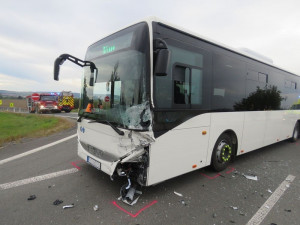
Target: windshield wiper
{"x":110,"y":124}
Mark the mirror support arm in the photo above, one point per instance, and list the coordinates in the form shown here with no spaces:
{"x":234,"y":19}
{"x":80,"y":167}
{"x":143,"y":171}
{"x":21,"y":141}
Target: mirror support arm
{"x":62,"y":58}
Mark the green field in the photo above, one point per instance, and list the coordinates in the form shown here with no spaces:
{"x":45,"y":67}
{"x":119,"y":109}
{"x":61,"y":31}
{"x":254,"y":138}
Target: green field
{"x":14,"y":126}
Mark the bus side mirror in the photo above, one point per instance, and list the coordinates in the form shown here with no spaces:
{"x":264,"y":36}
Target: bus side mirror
{"x":162,"y":57}
{"x":94,"y":73}
{"x":59,"y":61}
{"x":162,"y":62}
{"x":91,"y":80}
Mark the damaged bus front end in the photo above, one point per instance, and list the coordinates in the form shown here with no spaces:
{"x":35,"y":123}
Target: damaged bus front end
{"x":115,"y":120}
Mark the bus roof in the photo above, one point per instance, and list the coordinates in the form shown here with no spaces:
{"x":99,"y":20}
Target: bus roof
{"x":242,"y":51}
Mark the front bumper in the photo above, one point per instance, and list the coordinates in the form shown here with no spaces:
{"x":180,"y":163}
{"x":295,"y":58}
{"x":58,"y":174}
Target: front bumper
{"x":107,"y":167}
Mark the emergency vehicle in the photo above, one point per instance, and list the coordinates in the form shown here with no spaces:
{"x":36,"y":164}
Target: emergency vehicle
{"x":40,"y":103}
{"x":66,"y":101}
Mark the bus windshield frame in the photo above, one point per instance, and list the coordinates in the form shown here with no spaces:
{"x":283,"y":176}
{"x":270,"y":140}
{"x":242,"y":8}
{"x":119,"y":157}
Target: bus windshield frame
{"x":120,"y":94}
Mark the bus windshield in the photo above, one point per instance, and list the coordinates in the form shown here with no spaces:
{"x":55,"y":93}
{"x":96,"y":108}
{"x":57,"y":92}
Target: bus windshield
{"x":119,"y":94}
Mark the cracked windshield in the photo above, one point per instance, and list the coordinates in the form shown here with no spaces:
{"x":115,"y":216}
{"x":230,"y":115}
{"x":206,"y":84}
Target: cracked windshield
{"x":119,"y":93}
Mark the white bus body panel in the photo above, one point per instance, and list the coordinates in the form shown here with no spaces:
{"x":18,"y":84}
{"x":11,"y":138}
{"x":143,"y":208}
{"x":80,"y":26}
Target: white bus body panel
{"x":175,"y":152}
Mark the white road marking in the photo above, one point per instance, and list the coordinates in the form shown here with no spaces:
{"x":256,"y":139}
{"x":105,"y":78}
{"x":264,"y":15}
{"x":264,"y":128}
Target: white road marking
{"x":268,"y":205}
{"x":37,"y":179}
{"x":36,"y":150}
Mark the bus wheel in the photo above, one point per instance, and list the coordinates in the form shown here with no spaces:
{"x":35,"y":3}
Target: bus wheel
{"x":295,"y":133}
{"x":222,"y":153}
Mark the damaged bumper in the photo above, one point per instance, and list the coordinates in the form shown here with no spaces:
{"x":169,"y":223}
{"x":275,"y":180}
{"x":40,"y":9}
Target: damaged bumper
{"x":132,"y":162}
{"x":107,"y":167}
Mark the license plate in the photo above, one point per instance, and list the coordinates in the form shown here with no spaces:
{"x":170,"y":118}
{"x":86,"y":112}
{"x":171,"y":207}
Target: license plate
{"x":93,"y":162}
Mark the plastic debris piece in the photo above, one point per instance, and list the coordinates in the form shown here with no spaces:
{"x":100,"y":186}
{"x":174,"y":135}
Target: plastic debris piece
{"x":183,"y":203}
{"x":96,"y":208}
{"x":270,"y":191}
{"x":57,"y":202}
{"x":68,"y":206}
{"x":31,"y":197}
{"x":138,"y":192}
{"x":288,"y":210}
{"x":267,"y":206}
{"x":132,"y":196}
{"x":250,"y":177}
{"x":214,"y":215}
{"x":234,"y":207}
{"x":287,"y":185}
{"x":120,"y":198}
{"x":176,"y":193}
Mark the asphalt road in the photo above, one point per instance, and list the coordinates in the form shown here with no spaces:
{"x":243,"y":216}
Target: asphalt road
{"x":57,"y":173}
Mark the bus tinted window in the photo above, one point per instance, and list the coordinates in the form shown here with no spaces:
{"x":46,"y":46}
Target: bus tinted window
{"x":184,"y":79}
{"x":228,"y":82}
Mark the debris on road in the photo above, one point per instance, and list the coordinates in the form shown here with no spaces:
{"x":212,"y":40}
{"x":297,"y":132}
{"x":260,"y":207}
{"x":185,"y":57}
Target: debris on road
{"x":234,"y":207}
{"x":68,"y":206}
{"x":251,"y":177}
{"x":96,"y":208}
{"x":270,"y":191}
{"x":176,"y":193}
{"x":131,"y":195}
{"x":288,"y":210}
{"x":31,"y":197}
{"x":183,"y":203}
{"x":242,"y":214}
{"x":214,"y":215}
{"x":57,"y":202}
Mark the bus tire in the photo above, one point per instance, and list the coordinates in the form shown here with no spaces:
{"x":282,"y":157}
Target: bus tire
{"x":295,"y":133}
{"x":222,"y":153}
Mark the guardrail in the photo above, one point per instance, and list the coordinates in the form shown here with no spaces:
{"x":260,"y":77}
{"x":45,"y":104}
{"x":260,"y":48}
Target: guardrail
{"x":13,"y":109}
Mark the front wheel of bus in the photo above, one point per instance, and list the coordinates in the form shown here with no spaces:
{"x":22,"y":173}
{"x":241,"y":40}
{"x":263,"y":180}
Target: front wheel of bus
{"x":295,"y":133}
{"x":222,"y":153}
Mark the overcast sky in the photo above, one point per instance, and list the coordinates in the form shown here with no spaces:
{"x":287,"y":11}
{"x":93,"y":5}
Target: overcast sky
{"x":34,"y":32}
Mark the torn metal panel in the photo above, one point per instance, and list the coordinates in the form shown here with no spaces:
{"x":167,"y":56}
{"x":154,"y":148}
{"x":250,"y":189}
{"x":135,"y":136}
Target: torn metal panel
{"x":133,"y":157}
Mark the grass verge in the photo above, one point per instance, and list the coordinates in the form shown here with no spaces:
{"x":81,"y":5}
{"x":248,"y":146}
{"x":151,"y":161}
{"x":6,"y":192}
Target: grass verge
{"x":14,"y":126}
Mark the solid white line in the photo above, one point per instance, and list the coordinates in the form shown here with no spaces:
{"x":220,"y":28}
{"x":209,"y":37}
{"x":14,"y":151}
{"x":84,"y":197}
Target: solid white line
{"x":36,"y":150}
{"x":268,"y":205}
{"x":37,"y":179}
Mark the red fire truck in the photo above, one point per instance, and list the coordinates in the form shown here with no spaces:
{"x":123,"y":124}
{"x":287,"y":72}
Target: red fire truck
{"x":43,"y":102}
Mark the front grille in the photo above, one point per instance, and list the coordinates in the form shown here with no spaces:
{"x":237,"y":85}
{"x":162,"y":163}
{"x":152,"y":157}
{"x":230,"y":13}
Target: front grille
{"x":98,"y":152}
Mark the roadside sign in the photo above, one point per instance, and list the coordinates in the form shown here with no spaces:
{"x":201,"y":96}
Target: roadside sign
{"x":11,"y":105}
{"x":106,"y":99}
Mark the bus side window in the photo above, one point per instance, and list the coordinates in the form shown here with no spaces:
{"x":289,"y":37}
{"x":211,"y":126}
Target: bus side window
{"x":181,"y":81}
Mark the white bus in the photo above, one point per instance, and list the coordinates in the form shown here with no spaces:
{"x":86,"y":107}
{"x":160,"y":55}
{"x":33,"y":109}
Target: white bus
{"x":158,"y":101}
